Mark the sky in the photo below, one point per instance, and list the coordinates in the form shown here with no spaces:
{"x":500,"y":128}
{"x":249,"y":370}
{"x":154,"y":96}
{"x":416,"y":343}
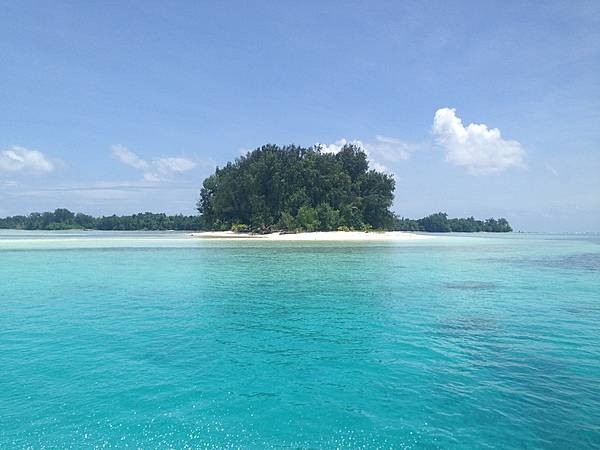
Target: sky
{"x":481,"y":108}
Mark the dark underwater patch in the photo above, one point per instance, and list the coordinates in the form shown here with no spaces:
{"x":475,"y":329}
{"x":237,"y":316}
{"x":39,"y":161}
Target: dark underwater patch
{"x":471,"y":285}
{"x":582,"y":261}
{"x":576,"y":262}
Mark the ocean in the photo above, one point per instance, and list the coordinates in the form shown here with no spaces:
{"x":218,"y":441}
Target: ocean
{"x":159,"y":340}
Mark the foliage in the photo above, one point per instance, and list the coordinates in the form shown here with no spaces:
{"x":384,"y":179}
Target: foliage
{"x":239,"y":228}
{"x":439,"y":223}
{"x":63,"y":219}
{"x":294,"y":188}
{"x":322,"y":217}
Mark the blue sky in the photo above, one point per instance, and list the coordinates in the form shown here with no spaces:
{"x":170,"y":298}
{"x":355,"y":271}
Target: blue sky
{"x":120,"y":107}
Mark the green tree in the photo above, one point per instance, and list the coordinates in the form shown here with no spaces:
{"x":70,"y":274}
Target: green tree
{"x":261,"y":186}
{"x":307,"y":218}
{"x":435,"y":223}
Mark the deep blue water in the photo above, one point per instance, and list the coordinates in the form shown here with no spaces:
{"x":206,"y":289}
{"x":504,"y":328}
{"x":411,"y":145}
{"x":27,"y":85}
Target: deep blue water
{"x":162,"y":341}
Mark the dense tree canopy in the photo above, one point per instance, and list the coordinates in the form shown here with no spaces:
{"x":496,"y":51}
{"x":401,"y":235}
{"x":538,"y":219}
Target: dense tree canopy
{"x":439,"y":223}
{"x":63,"y":219}
{"x":295,"y":188}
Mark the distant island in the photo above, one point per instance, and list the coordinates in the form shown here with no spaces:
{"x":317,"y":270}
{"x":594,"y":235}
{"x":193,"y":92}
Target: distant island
{"x":287,"y":189}
{"x":63,"y":219}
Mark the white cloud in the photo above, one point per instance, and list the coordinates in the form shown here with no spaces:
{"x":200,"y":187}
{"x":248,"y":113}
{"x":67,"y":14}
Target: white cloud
{"x":478,"y":148}
{"x":152,"y":177}
{"x":337,"y":146}
{"x":158,"y":169}
{"x":173,"y":164}
{"x":18,"y":159}
{"x":391,"y":149}
{"x":383,"y":148}
{"x":129,"y":158}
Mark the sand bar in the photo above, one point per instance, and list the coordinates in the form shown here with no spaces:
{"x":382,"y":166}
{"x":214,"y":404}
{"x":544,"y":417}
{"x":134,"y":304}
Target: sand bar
{"x":318,"y":236}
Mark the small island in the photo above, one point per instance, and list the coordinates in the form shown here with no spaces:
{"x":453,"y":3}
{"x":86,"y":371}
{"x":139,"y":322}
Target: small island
{"x":294,"y":189}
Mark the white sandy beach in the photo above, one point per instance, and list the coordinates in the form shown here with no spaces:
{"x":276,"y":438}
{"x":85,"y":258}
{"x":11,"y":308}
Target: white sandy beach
{"x":318,"y":236}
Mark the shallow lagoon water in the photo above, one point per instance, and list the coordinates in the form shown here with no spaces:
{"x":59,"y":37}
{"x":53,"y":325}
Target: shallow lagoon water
{"x":158,"y":340}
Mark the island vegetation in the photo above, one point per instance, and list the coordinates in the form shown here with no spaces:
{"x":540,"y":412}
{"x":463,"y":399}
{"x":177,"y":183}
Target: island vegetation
{"x":288,"y":189}
{"x":295,"y":188}
{"x":63,"y":219}
{"x":440,"y":223}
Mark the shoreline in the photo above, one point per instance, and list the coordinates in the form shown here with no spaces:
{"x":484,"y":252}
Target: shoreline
{"x":316,"y":236}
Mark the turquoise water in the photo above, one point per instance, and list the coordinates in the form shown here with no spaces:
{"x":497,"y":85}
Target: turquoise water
{"x":157,"y":340}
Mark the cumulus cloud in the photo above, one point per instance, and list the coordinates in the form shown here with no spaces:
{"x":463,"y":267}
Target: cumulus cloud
{"x":476,"y":147}
{"x":389,"y":150}
{"x":156,"y":170}
{"x":337,"y":146}
{"x":18,"y":159}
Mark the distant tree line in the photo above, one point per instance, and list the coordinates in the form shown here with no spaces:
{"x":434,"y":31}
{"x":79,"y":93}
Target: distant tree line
{"x":439,"y":223}
{"x":63,"y":219}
